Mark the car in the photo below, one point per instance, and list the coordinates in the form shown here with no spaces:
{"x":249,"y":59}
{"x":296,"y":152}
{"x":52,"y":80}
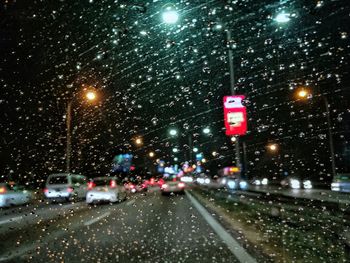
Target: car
{"x":295,"y":183}
{"x":172,"y":185}
{"x":11,"y":195}
{"x":105,"y":189}
{"x":341,"y":183}
{"x":65,"y":187}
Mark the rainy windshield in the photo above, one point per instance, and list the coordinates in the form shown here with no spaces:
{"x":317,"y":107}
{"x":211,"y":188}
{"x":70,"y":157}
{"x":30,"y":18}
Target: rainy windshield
{"x":175,"y":131}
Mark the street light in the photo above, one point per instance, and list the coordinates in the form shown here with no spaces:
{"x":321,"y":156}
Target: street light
{"x":303,"y":93}
{"x":195,"y":149}
{"x":282,"y":18}
{"x":175,"y":150}
{"x":138,"y":141}
{"x":273,"y":147}
{"x":170,"y":15}
{"x":151,"y":154}
{"x":89,"y":96}
{"x":173,"y":132}
{"x":206,"y":130}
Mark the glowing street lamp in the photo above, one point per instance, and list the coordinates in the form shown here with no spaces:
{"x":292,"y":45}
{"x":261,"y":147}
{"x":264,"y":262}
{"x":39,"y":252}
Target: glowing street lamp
{"x":175,"y":150}
{"x":173,"y":132}
{"x":170,"y":16}
{"x":91,"y":95}
{"x":138,"y":141}
{"x":273,"y":147}
{"x":151,"y":154}
{"x":282,"y":18}
{"x":303,"y":93}
{"x":206,"y":130}
{"x":195,"y":149}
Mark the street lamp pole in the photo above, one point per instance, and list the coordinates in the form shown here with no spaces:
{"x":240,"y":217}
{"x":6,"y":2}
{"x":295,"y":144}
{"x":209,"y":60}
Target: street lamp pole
{"x":69,"y":134}
{"x":233,"y":92}
{"x":330,"y":135}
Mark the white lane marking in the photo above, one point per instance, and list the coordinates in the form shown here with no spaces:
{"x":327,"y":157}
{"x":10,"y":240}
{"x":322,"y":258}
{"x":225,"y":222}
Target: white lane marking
{"x":240,"y":253}
{"x":130,"y":202}
{"x":10,"y":220}
{"x":92,"y":221}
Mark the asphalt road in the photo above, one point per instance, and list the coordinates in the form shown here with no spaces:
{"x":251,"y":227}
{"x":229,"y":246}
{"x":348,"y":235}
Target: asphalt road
{"x":145,"y":228}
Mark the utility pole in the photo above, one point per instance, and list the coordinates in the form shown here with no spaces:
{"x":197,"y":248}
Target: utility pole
{"x":233,"y":92}
{"x":330,"y":135}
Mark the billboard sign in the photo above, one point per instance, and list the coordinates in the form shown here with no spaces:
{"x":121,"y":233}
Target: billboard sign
{"x":235,"y":115}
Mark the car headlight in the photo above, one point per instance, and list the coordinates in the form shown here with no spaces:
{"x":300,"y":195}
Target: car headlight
{"x":264,"y":181}
{"x":207,"y":181}
{"x":231,"y":184}
{"x":307,"y":184}
{"x":335,"y":186}
{"x":257,"y":182}
{"x":295,"y":184}
{"x":243,"y":184}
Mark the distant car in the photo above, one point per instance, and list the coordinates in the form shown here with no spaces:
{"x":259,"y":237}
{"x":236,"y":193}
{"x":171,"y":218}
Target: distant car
{"x":134,"y":187}
{"x":65,"y":187}
{"x":173,"y":186}
{"x":295,"y":183}
{"x":105,"y":189}
{"x":341,"y":183}
{"x":11,"y":195}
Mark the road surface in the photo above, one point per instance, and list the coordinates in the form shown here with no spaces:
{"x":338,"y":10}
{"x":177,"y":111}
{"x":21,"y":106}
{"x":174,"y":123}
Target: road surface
{"x":145,"y":228}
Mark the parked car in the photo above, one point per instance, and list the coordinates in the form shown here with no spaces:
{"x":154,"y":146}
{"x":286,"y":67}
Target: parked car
{"x":105,"y":189}
{"x":65,"y":187}
{"x":11,"y":195}
{"x":341,"y":183}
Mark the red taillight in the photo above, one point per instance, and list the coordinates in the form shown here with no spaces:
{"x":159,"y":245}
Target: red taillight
{"x":70,"y":189}
{"x":132,"y":186}
{"x":90,"y":185}
{"x":2,"y":190}
{"x":46,"y":190}
{"x":181,"y":185}
{"x":113,"y":184}
{"x":164,"y":186}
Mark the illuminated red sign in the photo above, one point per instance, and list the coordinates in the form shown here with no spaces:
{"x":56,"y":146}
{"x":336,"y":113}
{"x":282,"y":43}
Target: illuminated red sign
{"x":235,"y":115}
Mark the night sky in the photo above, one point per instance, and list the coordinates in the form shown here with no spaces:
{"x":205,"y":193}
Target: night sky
{"x":151,"y":76}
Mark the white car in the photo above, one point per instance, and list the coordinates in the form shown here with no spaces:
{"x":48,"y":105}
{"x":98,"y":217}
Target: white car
{"x":105,"y":189}
{"x":11,"y":195}
{"x":173,"y":186}
{"x":65,"y":186}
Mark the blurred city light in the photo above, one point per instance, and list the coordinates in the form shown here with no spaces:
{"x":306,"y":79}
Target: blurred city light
{"x":214,"y":153}
{"x":195,"y":149}
{"x":151,"y":154}
{"x":175,"y":150}
{"x":233,"y":139}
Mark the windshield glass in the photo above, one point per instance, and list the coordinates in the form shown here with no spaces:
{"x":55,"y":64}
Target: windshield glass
{"x":58,"y":179}
{"x":103,"y":182}
{"x":224,"y":124}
